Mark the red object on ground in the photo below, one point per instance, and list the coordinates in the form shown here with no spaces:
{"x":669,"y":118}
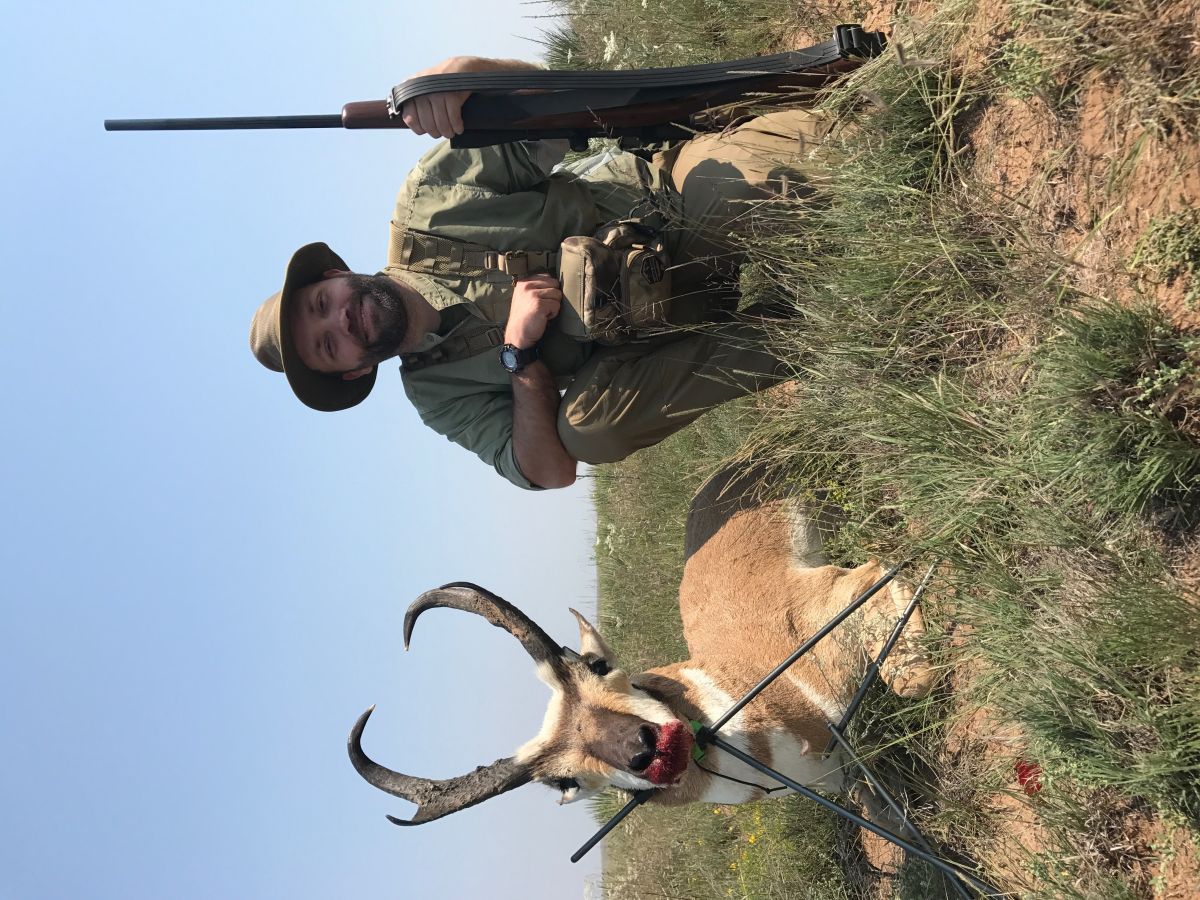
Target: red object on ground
{"x":1029,"y":776}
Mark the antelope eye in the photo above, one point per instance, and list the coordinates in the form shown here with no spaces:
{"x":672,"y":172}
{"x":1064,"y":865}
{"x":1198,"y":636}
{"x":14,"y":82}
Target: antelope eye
{"x":599,"y":666}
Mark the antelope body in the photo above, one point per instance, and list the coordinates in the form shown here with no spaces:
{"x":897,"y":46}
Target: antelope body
{"x":755,"y":586}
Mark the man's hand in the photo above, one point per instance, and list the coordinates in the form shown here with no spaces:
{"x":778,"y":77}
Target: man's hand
{"x":536,"y":300}
{"x":440,"y":115}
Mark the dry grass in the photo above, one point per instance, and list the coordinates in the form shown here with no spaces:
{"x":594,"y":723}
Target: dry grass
{"x":974,"y":387}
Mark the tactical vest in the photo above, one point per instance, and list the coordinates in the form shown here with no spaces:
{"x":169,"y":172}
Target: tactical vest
{"x":616,"y":284}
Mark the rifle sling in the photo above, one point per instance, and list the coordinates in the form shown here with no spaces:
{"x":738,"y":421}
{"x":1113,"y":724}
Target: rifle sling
{"x":824,"y":54}
{"x":649,"y":104}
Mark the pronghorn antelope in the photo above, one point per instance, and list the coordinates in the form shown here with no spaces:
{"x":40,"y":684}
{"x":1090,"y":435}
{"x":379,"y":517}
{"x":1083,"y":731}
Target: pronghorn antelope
{"x":754,"y":587}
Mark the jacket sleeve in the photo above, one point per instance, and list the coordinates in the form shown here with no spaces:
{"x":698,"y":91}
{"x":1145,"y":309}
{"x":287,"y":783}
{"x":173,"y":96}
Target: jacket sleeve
{"x":476,"y":416}
{"x":499,"y":169}
{"x":505,"y":197}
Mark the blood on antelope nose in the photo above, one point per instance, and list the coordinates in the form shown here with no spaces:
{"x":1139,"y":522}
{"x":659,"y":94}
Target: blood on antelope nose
{"x":647,"y":735}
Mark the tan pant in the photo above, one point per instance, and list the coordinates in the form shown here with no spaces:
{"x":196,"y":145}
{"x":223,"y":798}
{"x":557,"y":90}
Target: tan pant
{"x":629,"y":397}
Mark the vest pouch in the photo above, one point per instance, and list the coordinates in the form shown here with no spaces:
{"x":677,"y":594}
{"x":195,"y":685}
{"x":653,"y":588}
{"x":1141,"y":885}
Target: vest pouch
{"x":646,"y":287}
{"x":590,"y":273}
{"x":615,"y":284}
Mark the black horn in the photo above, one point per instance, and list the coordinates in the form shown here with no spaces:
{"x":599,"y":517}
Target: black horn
{"x":435,"y":799}
{"x":474,"y":599}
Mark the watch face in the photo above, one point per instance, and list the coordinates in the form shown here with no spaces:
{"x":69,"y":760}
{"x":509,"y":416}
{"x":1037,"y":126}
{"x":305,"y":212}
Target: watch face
{"x":508,"y":358}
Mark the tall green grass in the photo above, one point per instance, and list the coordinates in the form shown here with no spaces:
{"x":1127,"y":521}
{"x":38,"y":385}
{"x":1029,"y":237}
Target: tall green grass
{"x":964,"y":401}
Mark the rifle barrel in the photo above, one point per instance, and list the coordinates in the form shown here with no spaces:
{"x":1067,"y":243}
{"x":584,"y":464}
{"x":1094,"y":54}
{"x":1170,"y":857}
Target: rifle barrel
{"x":222,"y":123}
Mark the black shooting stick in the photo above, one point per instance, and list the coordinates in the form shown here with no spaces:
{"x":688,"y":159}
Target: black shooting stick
{"x":708,"y":736}
{"x":635,"y":801}
{"x":986,"y":889}
{"x":711,"y":730}
{"x":873,"y":669}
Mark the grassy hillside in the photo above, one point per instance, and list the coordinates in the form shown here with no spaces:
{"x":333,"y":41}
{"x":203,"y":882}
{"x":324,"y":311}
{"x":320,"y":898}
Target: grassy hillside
{"x":996,"y":351}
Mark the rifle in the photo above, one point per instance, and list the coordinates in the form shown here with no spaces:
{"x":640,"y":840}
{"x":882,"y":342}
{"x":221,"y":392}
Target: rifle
{"x":637,"y":105}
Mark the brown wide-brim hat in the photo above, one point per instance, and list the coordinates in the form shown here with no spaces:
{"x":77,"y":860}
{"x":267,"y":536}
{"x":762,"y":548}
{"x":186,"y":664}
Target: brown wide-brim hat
{"x":272,"y":344}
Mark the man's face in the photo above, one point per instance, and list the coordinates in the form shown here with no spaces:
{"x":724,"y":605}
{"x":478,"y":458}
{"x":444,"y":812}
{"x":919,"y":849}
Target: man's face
{"x":347,"y":324}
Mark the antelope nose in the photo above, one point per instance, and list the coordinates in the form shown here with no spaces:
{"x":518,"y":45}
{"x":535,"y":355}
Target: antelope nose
{"x":641,"y":760}
{"x":648,"y":737}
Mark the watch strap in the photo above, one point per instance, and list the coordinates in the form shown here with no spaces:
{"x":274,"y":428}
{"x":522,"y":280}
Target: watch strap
{"x":521,"y":357}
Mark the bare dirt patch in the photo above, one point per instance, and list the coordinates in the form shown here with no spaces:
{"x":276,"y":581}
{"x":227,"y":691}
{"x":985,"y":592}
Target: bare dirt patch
{"x":1091,"y":177}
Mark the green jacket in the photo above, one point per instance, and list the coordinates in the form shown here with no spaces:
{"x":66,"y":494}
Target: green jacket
{"x":505,"y":198}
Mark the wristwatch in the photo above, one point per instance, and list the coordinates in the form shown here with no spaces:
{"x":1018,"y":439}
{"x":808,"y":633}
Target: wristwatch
{"x":514,"y":359}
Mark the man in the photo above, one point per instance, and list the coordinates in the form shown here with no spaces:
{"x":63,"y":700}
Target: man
{"x":483,"y":356}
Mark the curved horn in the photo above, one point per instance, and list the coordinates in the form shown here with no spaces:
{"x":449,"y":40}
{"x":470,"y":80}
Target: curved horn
{"x":474,"y":599}
{"x":434,"y":799}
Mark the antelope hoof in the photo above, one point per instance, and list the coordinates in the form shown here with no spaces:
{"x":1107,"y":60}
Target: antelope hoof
{"x":907,"y":670}
{"x":910,"y":675}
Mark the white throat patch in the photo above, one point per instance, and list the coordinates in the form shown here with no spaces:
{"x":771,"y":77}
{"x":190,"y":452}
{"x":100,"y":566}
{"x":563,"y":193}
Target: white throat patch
{"x":714,"y":703}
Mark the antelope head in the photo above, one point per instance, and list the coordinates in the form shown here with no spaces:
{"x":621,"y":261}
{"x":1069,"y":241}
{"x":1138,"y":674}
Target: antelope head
{"x":600,"y":729}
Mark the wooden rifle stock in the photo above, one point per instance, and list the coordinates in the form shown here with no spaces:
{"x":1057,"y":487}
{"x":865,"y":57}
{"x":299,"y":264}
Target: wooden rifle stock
{"x":369,"y":114}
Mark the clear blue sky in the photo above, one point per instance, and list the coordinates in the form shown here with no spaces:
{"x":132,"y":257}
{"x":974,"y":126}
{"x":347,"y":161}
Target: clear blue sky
{"x":203,"y":581}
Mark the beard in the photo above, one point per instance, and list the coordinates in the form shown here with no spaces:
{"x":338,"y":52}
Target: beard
{"x":386,"y":298}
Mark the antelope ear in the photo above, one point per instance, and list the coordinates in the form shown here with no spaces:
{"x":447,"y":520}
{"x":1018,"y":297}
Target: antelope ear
{"x":590,"y":642}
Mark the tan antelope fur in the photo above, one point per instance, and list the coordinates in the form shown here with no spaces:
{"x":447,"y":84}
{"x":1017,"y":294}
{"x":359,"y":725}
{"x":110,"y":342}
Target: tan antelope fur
{"x":755,"y":586}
